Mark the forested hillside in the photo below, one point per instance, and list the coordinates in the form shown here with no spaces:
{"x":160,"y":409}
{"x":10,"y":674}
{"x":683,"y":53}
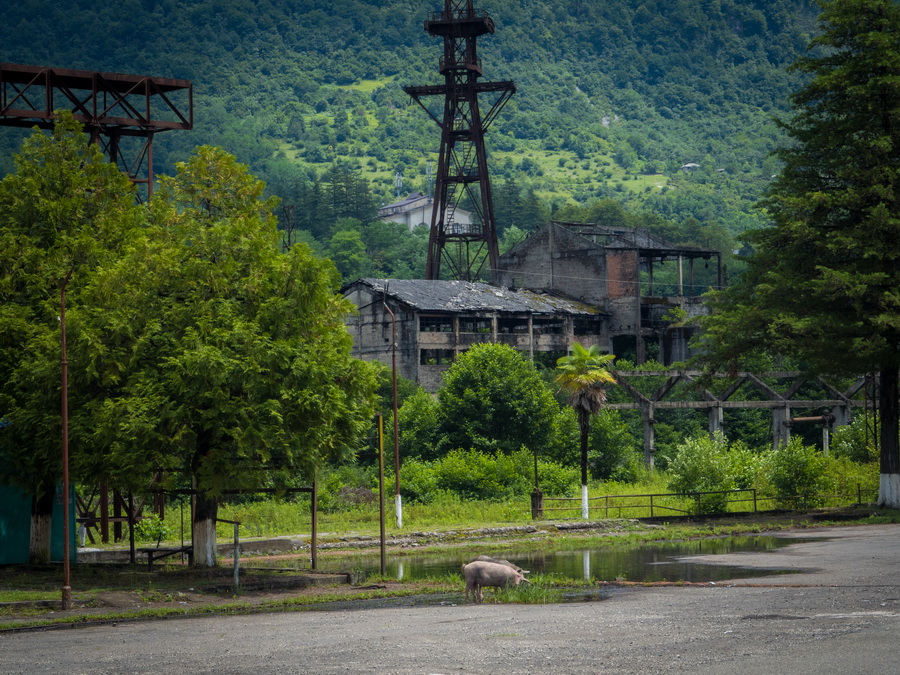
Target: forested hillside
{"x":613,"y":98}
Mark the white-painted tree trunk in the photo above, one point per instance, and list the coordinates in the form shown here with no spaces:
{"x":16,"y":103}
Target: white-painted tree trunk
{"x":398,"y":509}
{"x":889,"y":490}
{"x":204,"y":543}
{"x":584,"y":502}
{"x":39,"y":544}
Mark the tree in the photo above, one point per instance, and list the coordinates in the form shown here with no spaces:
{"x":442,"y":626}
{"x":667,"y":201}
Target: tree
{"x":493,"y":399}
{"x":823,"y":282}
{"x":583,"y":375}
{"x":418,"y":418}
{"x":63,"y":212}
{"x":236,"y":361}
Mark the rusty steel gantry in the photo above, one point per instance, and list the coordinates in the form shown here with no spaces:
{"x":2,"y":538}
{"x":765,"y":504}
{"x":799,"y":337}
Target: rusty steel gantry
{"x":462,"y":173}
{"x":111,"y":106}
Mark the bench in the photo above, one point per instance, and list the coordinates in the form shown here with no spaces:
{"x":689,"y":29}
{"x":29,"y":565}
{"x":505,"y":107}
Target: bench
{"x":159,"y":553}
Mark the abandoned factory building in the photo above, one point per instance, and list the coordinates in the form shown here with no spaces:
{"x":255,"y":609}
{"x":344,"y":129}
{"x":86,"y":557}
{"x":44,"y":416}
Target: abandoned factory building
{"x":623,"y":272}
{"x":437,"y":320}
{"x":625,"y":290}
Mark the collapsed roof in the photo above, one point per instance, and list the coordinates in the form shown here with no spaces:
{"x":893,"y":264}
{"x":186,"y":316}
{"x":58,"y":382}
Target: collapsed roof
{"x":470,"y":296}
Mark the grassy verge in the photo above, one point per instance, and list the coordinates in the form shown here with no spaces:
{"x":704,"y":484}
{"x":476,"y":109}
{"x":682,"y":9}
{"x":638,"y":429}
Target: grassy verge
{"x":115,"y":592}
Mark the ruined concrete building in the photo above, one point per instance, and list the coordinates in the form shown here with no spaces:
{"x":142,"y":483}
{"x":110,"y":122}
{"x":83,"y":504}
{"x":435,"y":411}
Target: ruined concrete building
{"x":566,"y":283}
{"x":437,"y":320}
{"x":633,"y":277}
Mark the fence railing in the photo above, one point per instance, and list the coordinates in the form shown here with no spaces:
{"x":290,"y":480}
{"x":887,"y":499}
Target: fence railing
{"x":688,"y":503}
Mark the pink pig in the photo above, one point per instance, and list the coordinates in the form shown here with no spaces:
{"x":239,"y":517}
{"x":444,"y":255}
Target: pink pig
{"x":482,"y":573}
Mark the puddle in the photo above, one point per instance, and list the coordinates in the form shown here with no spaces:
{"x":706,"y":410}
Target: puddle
{"x":649,"y":562}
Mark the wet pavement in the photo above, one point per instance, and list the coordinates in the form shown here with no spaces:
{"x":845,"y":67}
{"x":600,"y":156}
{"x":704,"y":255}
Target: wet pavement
{"x":839,"y":613}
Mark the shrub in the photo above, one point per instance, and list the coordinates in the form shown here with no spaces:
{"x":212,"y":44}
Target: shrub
{"x":798,"y":473}
{"x":746,"y":466}
{"x":474,"y":475}
{"x":850,"y":441}
{"x":701,"y":464}
{"x":470,"y":474}
{"x":843,"y":476}
{"x":341,"y":487}
{"x":418,"y":481}
{"x":152,"y":528}
{"x":556,"y":480}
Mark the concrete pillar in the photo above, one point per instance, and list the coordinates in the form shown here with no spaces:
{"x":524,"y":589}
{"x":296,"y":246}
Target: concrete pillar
{"x":841,"y":414}
{"x":781,"y":429}
{"x":531,"y":336}
{"x":679,"y":345}
{"x":716,"y":420}
{"x":649,"y":437}
{"x":680,"y":277}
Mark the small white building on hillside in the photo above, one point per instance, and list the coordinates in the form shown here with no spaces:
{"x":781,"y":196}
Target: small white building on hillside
{"x":416,"y":210}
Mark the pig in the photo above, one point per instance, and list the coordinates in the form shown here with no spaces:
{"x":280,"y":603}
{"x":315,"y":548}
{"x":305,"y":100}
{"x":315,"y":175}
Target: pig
{"x":487,"y":558}
{"x":482,"y":573}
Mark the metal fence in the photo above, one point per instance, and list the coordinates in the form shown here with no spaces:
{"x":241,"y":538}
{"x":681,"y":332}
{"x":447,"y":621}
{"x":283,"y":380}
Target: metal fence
{"x":690,"y":503}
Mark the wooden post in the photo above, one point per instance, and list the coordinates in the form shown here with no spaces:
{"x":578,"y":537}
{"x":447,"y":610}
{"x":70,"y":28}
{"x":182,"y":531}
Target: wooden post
{"x":537,"y":504}
{"x":649,"y":439}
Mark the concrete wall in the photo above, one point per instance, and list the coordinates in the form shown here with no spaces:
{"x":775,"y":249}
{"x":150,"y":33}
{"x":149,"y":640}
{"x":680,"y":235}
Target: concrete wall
{"x":559,"y":260}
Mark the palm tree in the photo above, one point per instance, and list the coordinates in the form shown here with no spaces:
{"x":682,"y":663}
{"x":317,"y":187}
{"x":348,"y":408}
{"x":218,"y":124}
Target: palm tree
{"x":583,"y":374}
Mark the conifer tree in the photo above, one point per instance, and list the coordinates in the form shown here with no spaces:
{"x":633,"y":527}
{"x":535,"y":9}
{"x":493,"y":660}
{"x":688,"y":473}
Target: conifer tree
{"x":824,"y":282}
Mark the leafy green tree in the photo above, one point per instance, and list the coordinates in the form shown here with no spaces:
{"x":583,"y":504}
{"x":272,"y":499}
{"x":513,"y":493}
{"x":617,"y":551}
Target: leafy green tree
{"x":614,"y":453}
{"x":236,"y":360}
{"x":418,"y":422}
{"x":394,"y":251}
{"x":64,"y":212}
{"x":583,"y":375}
{"x":493,"y":399}
{"x":823,"y":283}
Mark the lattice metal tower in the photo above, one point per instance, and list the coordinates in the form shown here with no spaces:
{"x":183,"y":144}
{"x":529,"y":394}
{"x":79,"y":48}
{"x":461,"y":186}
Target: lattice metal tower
{"x":462,"y":180}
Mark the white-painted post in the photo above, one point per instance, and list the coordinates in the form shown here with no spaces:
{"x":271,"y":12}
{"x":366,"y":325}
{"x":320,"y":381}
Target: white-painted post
{"x":398,"y":508}
{"x":237,"y":559}
{"x":584,"y":501}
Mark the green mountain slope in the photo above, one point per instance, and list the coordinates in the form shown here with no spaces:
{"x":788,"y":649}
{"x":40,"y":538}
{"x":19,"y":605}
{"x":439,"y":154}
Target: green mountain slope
{"x":613,"y":97}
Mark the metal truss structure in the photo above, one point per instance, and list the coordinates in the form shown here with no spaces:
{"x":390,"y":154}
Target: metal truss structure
{"x":462,"y":180}
{"x":114,"y":108}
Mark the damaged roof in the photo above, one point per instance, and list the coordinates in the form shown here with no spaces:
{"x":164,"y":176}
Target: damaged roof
{"x":633,"y":238}
{"x":470,"y":296}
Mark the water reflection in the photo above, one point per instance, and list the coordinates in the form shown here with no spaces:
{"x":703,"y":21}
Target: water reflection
{"x":649,"y":562}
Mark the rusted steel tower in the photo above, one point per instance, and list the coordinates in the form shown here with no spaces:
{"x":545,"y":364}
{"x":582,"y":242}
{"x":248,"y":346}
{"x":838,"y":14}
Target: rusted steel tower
{"x":462,"y":180}
{"x":112,"y":107}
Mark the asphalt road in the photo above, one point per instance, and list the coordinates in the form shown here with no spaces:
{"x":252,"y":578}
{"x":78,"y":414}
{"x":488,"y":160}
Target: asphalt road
{"x":840,"y":615}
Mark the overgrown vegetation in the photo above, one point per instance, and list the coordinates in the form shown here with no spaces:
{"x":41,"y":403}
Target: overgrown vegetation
{"x":613,"y":99}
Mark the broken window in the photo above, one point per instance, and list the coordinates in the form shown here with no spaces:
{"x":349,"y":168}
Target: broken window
{"x":586,"y":326}
{"x":473,"y":324}
{"x":512,"y":325}
{"x":549,"y":326}
{"x":436,"y":357}
{"x":436,"y":324}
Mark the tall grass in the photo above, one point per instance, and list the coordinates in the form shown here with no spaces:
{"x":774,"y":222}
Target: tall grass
{"x":273,"y":518}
